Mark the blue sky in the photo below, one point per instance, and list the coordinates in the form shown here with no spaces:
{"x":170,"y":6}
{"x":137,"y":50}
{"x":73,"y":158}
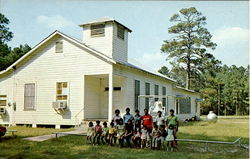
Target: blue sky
{"x":228,"y":21}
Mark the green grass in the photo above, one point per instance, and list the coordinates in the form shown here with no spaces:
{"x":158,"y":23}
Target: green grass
{"x":23,"y":131}
{"x":75,"y":147}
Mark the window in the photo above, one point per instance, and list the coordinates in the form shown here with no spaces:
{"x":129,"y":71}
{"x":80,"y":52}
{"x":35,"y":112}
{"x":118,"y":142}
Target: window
{"x":29,"y":96}
{"x":97,"y":30}
{"x":156,"y":92}
{"x":164,"y":92}
{"x":62,"y":91}
{"x":196,"y":107}
{"x":185,"y":105}
{"x":177,"y":106}
{"x":3,"y":100}
{"x":147,"y":92}
{"x":120,"y":32}
{"x":59,"y":47}
{"x":115,"y":88}
{"x":137,"y":93}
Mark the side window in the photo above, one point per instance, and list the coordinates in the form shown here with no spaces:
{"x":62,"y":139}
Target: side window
{"x":177,"y":106}
{"x":29,"y":96}
{"x":156,"y":92}
{"x":120,"y":32}
{"x":3,"y":100}
{"x":59,"y":47}
{"x":185,"y":105}
{"x":164,"y":92}
{"x":97,"y":30}
{"x":196,"y":107}
{"x":137,"y":93}
{"x":147,"y":92}
{"x":62,"y":91}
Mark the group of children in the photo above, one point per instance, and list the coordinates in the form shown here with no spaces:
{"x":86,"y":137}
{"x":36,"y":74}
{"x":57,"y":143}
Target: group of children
{"x":142,"y":131}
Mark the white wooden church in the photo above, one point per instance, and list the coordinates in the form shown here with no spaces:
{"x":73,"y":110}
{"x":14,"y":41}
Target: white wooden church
{"x":64,"y":81}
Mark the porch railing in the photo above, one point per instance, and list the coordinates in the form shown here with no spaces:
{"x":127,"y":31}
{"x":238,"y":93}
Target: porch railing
{"x":76,"y":117}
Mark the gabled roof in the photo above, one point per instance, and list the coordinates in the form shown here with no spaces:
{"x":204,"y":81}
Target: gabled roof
{"x":91,"y":50}
{"x":145,"y":70}
{"x":104,"y":20}
{"x":75,"y":41}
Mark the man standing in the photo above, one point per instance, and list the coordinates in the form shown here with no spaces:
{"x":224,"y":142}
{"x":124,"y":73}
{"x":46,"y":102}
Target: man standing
{"x":128,"y":116}
{"x":173,"y":120}
{"x":147,"y":121}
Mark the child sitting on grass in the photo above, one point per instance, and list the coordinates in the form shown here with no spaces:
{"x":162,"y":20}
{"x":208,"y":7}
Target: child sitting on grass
{"x":90,"y":133}
{"x":98,"y":132}
{"x":112,"y":133}
{"x":120,"y":132}
{"x":105,"y":130}
{"x":161,"y":134}
{"x":128,"y":132}
{"x":154,"y":136}
{"x":170,"y":138}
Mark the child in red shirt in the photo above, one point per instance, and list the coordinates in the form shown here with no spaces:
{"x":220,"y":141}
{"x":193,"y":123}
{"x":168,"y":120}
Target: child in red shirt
{"x":98,"y":132}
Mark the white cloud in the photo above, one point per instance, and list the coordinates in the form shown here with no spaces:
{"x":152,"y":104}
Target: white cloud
{"x":233,"y":45}
{"x":54,"y":22}
{"x":233,"y":35}
{"x":153,"y":61}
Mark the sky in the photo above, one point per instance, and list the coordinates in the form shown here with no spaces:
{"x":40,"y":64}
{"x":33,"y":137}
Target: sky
{"x":228,"y":21}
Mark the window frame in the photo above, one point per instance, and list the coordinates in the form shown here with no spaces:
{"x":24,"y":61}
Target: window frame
{"x":156,"y":92}
{"x":25,"y":97}
{"x":61,"y":89}
{"x":177,"y":105}
{"x":164,"y":93}
{"x":57,"y":45}
{"x":97,"y":32}
{"x":120,"y":32}
{"x":186,"y":107}
{"x":4,"y":98}
{"x":136,"y":94}
{"x":147,"y":92}
{"x":196,"y":106}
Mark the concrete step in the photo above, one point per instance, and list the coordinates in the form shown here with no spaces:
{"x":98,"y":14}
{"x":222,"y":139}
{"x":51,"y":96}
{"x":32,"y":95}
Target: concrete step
{"x":85,"y":124}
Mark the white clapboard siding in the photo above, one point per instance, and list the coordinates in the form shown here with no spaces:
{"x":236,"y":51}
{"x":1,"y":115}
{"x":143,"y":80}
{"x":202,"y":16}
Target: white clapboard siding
{"x":108,"y":44}
{"x":45,"y":69}
{"x":100,"y":43}
{"x":143,"y":77}
{"x":120,"y":46}
{"x":6,"y":89}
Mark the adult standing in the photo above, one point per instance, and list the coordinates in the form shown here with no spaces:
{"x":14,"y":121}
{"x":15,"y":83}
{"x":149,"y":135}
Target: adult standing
{"x":116,"y":117}
{"x":137,"y":116}
{"x":159,"y":119}
{"x":128,"y":116}
{"x":147,"y":121}
{"x":173,"y":121}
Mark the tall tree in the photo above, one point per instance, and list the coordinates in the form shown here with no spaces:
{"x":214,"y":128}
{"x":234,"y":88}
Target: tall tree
{"x":165,"y":71}
{"x":188,"y":47}
{"x":8,"y":55}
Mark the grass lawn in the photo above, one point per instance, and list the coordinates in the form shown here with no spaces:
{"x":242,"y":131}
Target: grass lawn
{"x":75,"y":147}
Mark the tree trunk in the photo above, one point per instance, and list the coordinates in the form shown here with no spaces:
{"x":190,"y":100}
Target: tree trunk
{"x":188,"y":82}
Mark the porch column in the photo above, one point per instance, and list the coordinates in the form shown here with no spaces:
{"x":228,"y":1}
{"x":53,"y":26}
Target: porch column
{"x":110,"y":105}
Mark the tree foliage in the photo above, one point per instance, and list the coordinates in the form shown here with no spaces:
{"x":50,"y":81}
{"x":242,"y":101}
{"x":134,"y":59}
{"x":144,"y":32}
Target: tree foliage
{"x":188,"y":47}
{"x":8,"y":55}
{"x":224,"y":87}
